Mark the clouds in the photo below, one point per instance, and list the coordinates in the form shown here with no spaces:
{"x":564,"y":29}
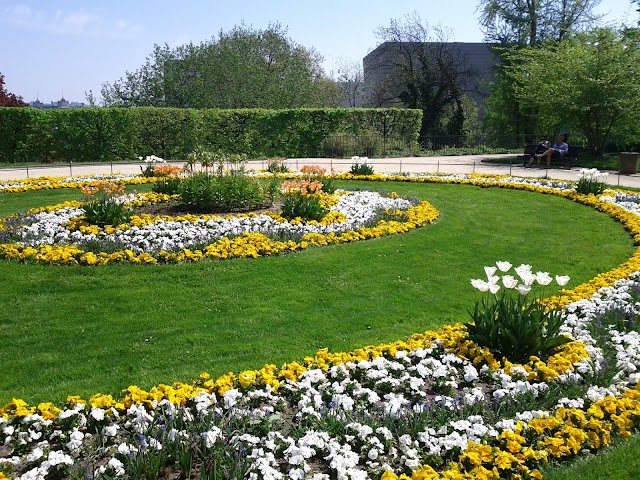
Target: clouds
{"x":79,"y":22}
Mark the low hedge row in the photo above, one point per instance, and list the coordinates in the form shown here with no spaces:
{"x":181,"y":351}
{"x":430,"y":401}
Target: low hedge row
{"x":112,"y":134}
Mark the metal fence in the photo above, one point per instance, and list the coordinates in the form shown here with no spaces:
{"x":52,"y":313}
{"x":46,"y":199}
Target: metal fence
{"x":473,"y":143}
{"x":344,"y":146}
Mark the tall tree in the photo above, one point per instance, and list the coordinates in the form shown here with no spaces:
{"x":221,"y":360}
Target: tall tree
{"x":515,"y":24}
{"x":588,"y":81}
{"x":416,"y":67}
{"x":350,"y":77}
{"x":8,"y":99}
{"x":243,"y":68}
{"x":532,"y":22}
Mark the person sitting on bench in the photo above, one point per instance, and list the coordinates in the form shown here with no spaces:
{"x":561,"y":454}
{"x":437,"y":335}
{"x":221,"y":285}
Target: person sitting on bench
{"x":557,"y":150}
{"x":541,"y":147}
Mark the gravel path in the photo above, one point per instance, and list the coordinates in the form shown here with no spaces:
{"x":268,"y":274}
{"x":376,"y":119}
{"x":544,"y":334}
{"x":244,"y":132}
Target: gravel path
{"x":448,"y":164}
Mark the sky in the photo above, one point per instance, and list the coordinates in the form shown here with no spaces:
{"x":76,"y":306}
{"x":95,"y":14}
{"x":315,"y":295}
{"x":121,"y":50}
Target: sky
{"x":56,"y":48}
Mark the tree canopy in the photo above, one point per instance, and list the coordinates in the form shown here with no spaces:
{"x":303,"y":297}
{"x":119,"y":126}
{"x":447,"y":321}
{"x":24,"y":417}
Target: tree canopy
{"x":532,"y":22}
{"x":243,"y":68}
{"x":589,"y":81}
{"x":8,"y":99}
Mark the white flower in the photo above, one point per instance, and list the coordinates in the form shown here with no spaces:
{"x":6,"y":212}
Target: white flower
{"x":117,"y":466}
{"x":543,"y":278}
{"x":503,"y":266}
{"x":523,"y":270}
{"x":524,"y":289}
{"x":36,"y":454}
{"x":211,"y":436}
{"x":509,"y":281}
{"x":494,"y":287}
{"x":480,"y":285}
{"x":111,"y":430}
{"x":562,"y":280}
{"x":490,"y":271}
{"x":97,"y":414}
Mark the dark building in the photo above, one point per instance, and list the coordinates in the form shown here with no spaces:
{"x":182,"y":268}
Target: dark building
{"x":474,"y":62}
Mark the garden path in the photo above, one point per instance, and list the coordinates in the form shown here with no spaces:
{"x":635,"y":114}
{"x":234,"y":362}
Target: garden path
{"x":444,"y":164}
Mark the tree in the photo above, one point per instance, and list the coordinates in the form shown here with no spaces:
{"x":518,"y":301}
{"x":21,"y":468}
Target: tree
{"x":350,"y":77}
{"x":244,"y":68}
{"x":533,"y":22}
{"x":514,"y":24}
{"x":9,"y":99}
{"x":416,"y":67}
{"x":588,"y":81}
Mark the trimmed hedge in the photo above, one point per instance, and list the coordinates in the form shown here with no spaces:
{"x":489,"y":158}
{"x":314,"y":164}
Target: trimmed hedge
{"x":116,"y":134}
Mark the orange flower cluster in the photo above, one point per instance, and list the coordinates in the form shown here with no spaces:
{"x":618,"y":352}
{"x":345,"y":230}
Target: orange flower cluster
{"x":160,"y":170}
{"x":108,"y":189}
{"x":304,"y":187}
{"x":313,"y":170}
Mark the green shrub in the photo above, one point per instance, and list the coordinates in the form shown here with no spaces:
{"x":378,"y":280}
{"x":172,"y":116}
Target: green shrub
{"x":277,"y":165}
{"x":361,"y":168}
{"x":511,"y":325}
{"x":168,"y":185}
{"x":591,"y":181}
{"x":204,"y":193}
{"x":306,"y":207}
{"x":103,"y":207}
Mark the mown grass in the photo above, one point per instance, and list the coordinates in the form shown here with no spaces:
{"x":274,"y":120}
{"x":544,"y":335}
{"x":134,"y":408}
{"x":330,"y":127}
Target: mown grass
{"x":618,"y":462}
{"x":72,"y":330}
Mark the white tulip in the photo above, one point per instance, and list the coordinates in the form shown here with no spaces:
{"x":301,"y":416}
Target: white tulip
{"x":480,"y":285}
{"x":543,"y":278}
{"x":493,"y":279}
{"x":503,"y":266}
{"x":562,"y":280}
{"x":524,"y":289}
{"x":509,"y":281}
{"x":494,"y":287}
{"x":490,"y":271}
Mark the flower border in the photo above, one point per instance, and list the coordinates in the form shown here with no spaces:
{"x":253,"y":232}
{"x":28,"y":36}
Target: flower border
{"x":563,"y":434}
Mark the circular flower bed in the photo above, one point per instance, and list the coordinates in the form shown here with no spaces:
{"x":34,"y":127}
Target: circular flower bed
{"x":59,"y":234}
{"x":434,"y":406}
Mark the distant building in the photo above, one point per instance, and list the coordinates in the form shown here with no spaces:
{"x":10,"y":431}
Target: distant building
{"x":62,"y":103}
{"x":477,"y":59}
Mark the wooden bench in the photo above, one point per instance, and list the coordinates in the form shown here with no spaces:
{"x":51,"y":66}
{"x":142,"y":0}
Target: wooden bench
{"x":567,"y":160}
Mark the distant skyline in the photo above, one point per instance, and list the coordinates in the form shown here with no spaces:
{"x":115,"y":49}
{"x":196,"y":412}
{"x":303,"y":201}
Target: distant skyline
{"x":72,"y":46}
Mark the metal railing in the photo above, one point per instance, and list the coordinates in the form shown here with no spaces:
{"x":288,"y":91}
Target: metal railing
{"x":343,"y":146}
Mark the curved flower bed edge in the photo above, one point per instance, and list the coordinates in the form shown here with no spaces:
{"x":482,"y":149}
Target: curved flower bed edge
{"x":562,"y":435}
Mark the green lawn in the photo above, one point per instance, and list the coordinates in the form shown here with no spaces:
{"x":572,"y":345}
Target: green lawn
{"x":80,"y":330}
{"x":619,"y":462}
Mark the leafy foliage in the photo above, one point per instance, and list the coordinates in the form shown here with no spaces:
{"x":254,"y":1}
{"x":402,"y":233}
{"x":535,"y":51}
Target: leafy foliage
{"x":511,"y":325}
{"x":516,"y":328}
{"x":249,"y":68}
{"x":103,"y":206}
{"x":588,"y":81}
{"x":202,"y":192}
{"x":168,"y":185}
{"x":8,"y":99}
{"x":523,"y":22}
{"x":361,"y":168}
{"x":306,"y":207}
{"x":277,"y":165}
{"x":111,"y":134}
